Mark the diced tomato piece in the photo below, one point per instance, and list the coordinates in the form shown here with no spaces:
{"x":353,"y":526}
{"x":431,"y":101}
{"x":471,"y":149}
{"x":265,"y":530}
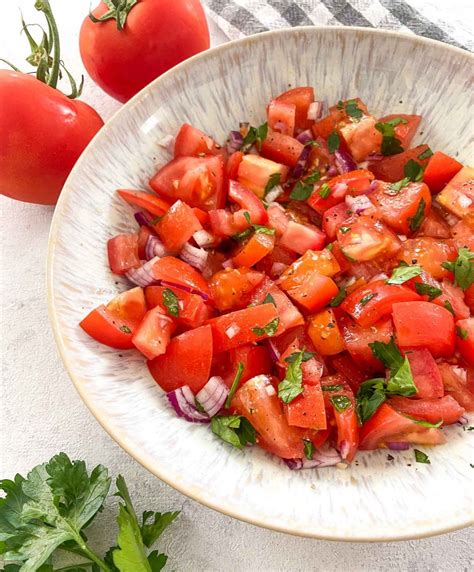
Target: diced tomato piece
{"x":114,"y":324}
{"x":233,"y":163}
{"x":175,"y":271}
{"x":405,"y":131}
{"x":458,"y":195}
{"x":346,"y":366}
{"x":178,"y":226}
{"x":254,"y":172}
{"x":387,"y":424}
{"x":288,"y":313}
{"x":357,"y":339}
{"x":333,"y":218}
{"x":256,"y":248}
{"x":258,"y":402}
{"x":440,"y":170}
{"x":445,"y":409}
{"x":255,"y":359}
{"x":363,"y":238}
{"x":371,"y":302}
{"x":455,"y":296}
{"x":469,"y":297}
{"x":154,"y":333}
{"x":429,"y":253}
{"x":324,"y":333}
{"x":142,"y":200}
{"x":345,"y":416}
{"x":300,"y":237}
{"x":457,"y":384}
{"x":399,"y":210}
{"x":241,"y":327}
{"x":463,"y":232}
{"x":391,"y":168}
{"x":282,"y":148}
{"x":191,"y":142}
{"x":307,"y":410}
{"x":282,"y":117}
{"x":425,"y":373}
{"x":249,"y":203}
{"x":193,"y":311}
{"x":230,"y":288}
{"x":143,"y":234}
{"x":465,"y":339}
{"x":187,"y":361}
{"x":278,"y":219}
{"x":324,"y":127}
{"x":198,"y":181}
{"x":435,"y":225}
{"x":361,"y":137}
{"x":122,"y":251}
{"x":423,"y":324}
{"x":275,"y":263}
{"x":222,"y":223}
{"x":301,"y":98}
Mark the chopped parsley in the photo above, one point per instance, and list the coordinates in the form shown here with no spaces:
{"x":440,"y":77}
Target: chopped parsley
{"x":336,"y":387}
{"x":370,"y":396}
{"x":338,"y":298}
{"x":462,"y":333}
{"x":340,"y":402}
{"x":273,"y":181}
{"x":426,"y":290}
{"x":309,"y":449}
{"x":255,"y":136}
{"x":171,"y":302}
{"x":269,"y":330}
{"x":413,"y":171}
{"x":447,"y":304}
{"x":344,"y":229}
{"x":462,"y":268}
{"x":403,"y":273}
{"x":390,"y":144}
{"x":233,"y":429}
{"x":125,"y":329}
{"x":235,"y":384}
{"x":426,"y":154}
{"x":295,"y":355}
{"x":254,"y":228}
{"x":424,"y":423}
{"x":304,"y":187}
{"x":324,"y":191}
{"x":292,"y":384}
{"x":333,"y":142}
{"x":395,"y":188}
{"x":352,"y":110}
{"x":396,"y":121}
{"x":269,"y":299}
{"x":421,"y":457}
{"x":367,"y":298}
{"x":416,"y":220}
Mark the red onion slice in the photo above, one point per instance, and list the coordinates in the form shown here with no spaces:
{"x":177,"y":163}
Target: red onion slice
{"x":188,"y":289}
{"x":203,"y":238}
{"x":344,"y":162}
{"x":325,"y":458}
{"x":272,"y":195}
{"x":228,"y":263}
{"x":234,"y":142}
{"x":196,"y":257}
{"x":332,"y":171}
{"x":299,"y":168}
{"x":401,"y":446}
{"x":154,"y":247}
{"x":358,"y":204}
{"x":143,"y":276}
{"x":272,"y":349}
{"x":339,"y":190}
{"x":143,"y":218}
{"x":213,"y":395}
{"x":315,"y":110}
{"x":184,"y":403}
{"x":305,"y":136}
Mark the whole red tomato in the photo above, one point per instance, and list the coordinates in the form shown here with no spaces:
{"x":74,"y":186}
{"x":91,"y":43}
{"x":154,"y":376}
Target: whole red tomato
{"x":123,"y":56}
{"x":42,"y":134}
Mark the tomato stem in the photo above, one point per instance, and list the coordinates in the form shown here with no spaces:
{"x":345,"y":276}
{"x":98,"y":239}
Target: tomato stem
{"x":44,"y":6}
{"x":118,"y":10}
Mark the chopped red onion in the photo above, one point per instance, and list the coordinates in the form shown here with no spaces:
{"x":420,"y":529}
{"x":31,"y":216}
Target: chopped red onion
{"x":299,"y":168}
{"x":278,"y":268}
{"x":372,"y":187}
{"x":463,"y":420}
{"x":196,"y":257}
{"x":167,"y":142}
{"x":401,"y":446}
{"x":339,"y":190}
{"x":154,"y":247}
{"x":375,"y":157}
{"x":344,"y":162}
{"x":203,"y":238}
{"x":272,"y":349}
{"x":272,"y":195}
{"x":232,"y":331}
{"x":228,"y":263}
{"x":204,"y":296}
{"x":184,"y":403}
{"x":143,"y":218}
{"x":234,"y":142}
{"x":279,"y":126}
{"x":143,"y":276}
{"x":332,"y":171}
{"x":305,"y":136}
{"x":344,"y":449}
{"x":402,"y":237}
{"x":315,"y":110}
{"x":324,"y":458}
{"x":358,"y":204}
{"x":213,"y":395}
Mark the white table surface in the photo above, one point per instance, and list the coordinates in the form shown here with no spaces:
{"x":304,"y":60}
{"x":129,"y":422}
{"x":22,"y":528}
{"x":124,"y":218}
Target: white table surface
{"x":41,"y":413}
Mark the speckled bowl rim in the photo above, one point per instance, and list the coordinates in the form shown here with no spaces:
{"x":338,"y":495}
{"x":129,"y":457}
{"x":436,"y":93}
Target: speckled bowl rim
{"x":152,"y":464}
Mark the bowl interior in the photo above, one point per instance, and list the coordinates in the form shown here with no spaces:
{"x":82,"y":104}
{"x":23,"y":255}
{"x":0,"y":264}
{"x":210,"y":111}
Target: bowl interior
{"x":375,"y":499}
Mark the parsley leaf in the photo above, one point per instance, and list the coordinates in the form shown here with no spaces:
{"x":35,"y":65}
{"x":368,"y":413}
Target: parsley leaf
{"x":401,"y":378}
{"x":273,"y":181}
{"x":171,"y":302}
{"x":462,"y":268}
{"x":367,"y":298}
{"x":292,"y":384}
{"x":462,"y":333}
{"x":388,"y":354}
{"x":390,"y":144}
{"x":235,"y":384}
{"x":255,"y":135}
{"x":269,"y":299}
{"x":254,"y":228}
{"x":340,"y":402}
{"x":352,"y":110}
{"x":269,"y":330}
{"x":233,"y":429}
{"x":295,"y":355}
{"x":309,"y":449}
{"x":333,"y":142}
{"x":424,"y":423}
{"x":447,"y":304}
{"x":416,"y":220}
{"x":396,"y":121}
{"x":260,"y":229}
{"x":125,"y":329}
{"x":370,"y":396}
{"x":324,"y":191}
{"x":426,"y":290}
{"x":344,"y":229}
{"x":338,"y":298}
{"x":395,"y":188}
{"x":425,"y":154}
{"x":413,"y":171}
{"x":332,"y":387}
{"x":403,"y":273}
{"x":421,"y":457}
{"x":304,"y":187}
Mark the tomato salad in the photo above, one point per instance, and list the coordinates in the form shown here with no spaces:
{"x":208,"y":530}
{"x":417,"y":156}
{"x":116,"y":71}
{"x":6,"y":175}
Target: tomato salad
{"x":308,"y":287}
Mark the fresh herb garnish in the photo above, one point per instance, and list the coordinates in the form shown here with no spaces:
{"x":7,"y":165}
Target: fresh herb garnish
{"x":367,"y":298}
{"x":125,"y":329}
{"x":447,"y":304}
{"x":295,"y":355}
{"x":424,"y":423}
{"x":338,"y":298}
{"x":352,"y":110}
{"x":329,"y":246}
{"x":426,"y":290}
{"x":426,"y":154}
{"x":416,"y":220}
{"x":324,"y":191}
{"x":333,"y":142}
{"x":388,"y":354}
{"x":395,"y":188}
{"x":336,"y":387}
{"x":413,"y":171}
{"x":396,"y":121}
{"x":235,"y":384}
{"x":255,"y":135}
{"x":340,"y":402}
{"x":269,"y":330}
{"x":171,"y":301}
{"x":233,"y":429}
{"x":403,"y":273}
{"x":309,"y":449}
{"x":421,"y":457}
{"x":390,"y":144}
{"x":273,"y":181}
{"x":304,"y":187}
{"x":344,"y":229}
{"x":292,"y":384}
{"x":269,"y":299}
{"x":462,"y":268}
{"x":370,"y":396}
{"x":462,"y":333}
{"x":254,"y":228}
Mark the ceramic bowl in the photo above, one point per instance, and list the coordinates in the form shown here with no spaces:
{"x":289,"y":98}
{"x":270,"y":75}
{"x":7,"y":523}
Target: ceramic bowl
{"x":375,"y":499}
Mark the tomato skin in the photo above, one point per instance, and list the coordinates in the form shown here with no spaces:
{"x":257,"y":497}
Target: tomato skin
{"x":426,"y":376}
{"x":230,"y":288}
{"x":154,"y":333}
{"x":175,"y":271}
{"x":333,"y":218}
{"x":122,"y":251}
{"x":307,"y":410}
{"x":362,"y":138}
{"x":191,"y":142}
{"x":324,"y":333}
{"x":440,"y":170}
{"x":257,"y":400}
{"x":445,"y":409}
{"x":434,"y":225}
{"x":404,"y":132}
{"x":255,"y":360}
{"x":193,"y":311}
{"x":429,"y":253}
{"x":301,"y":98}
{"x":411,"y":320}
{"x":177,"y":226}
{"x":256,"y":248}
{"x":40,"y":143}
{"x":187,"y":361}
{"x":458,"y":384}
{"x":349,"y":369}
{"x":302,"y":237}
{"x":366,"y":238}
{"x":240,"y":324}
{"x":282,"y":148}
{"x":232,"y":166}
{"x":158,"y":34}
{"x":458,"y":195}
{"x":313,"y":293}
{"x":248,"y":202}
{"x":386,"y":425}
{"x":254,"y":172}
{"x":398,"y":210}
{"x":383,"y":297}
{"x":466,"y":346}
{"x":391,"y":168}
{"x":281,"y":117}
{"x":142,"y":200}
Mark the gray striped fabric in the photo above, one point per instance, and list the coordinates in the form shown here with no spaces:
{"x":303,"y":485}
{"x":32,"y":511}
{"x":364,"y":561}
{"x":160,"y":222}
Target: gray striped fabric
{"x":449,"y":21}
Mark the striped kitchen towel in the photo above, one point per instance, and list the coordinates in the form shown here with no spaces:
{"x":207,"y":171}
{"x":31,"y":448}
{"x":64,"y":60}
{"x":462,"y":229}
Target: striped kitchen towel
{"x":450,"y":21}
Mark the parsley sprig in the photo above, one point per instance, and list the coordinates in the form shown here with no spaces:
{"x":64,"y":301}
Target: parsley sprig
{"x":390,"y":144}
{"x":255,"y":136}
{"x":292,"y":384}
{"x":462,"y":268}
